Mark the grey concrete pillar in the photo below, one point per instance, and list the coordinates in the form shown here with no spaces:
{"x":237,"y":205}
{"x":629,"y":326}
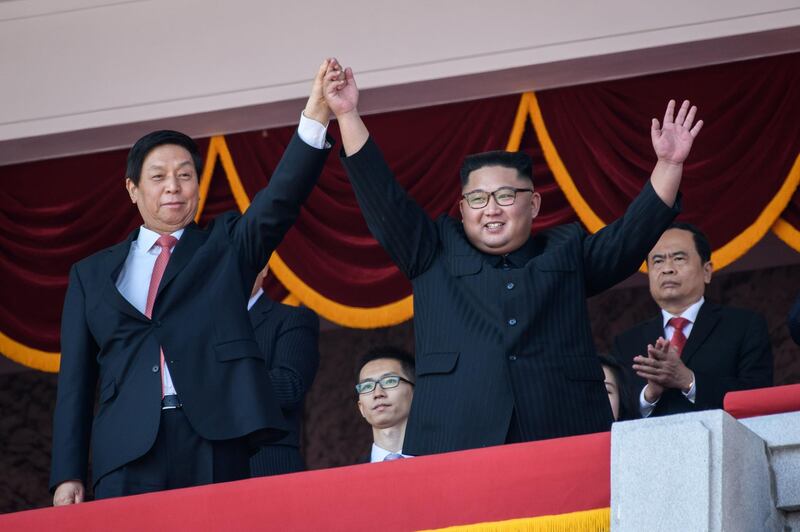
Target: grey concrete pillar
{"x":691,"y":472}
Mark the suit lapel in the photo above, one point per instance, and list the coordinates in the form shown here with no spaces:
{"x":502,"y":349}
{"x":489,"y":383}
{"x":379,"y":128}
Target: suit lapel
{"x":707,"y":319}
{"x":115,"y":259}
{"x":191,"y":240}
{"x":260,"y":310}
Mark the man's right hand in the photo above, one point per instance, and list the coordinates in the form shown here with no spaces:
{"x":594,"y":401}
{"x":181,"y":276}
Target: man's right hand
{"x":69,"y":492}
{"x":341,"y":93}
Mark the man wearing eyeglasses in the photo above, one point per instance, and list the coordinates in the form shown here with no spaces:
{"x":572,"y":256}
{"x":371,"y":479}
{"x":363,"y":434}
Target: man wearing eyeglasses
{"x":504,"y":350}
{"x":385,"y":387}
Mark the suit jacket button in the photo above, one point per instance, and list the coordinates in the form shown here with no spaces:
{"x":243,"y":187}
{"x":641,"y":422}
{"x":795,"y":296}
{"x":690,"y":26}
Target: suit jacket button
{"x":510,"y":286}
{"x":512,"y":322}
{"x":155,"y":368}
{"x":512,"y":358}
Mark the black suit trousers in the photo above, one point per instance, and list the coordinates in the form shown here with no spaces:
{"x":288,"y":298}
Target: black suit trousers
{"x":179,"y":458}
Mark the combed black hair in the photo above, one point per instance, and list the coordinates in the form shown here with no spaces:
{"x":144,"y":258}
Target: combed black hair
{"x":519,"y":161}
{"x":701,"y":242}
{"x":146,"y":144}
{"x":393,"y":353}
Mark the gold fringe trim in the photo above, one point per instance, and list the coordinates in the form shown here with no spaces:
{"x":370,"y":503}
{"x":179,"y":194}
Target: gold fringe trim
{"x":28,"y":356}
{"x":722,"y":256}
{"x":403,"y":309}
{"x":598,"y":520}
{"x":300,"y":292}
{"x":788,"y":233}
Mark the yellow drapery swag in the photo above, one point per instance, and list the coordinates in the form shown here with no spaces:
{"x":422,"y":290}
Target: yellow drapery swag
{"x":787,"y":232}
{"x":402,"y":310}
{"x":299,"y":291}
{"x":598,"y":520}
{"x":721,"y":257}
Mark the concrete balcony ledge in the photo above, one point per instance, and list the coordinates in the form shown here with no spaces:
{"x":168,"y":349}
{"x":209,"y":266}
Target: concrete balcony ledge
{"x":706,"y":471}
{"x":781,"y":432}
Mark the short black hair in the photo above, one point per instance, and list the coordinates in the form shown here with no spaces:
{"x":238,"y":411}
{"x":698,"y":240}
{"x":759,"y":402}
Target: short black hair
{"x":393,"y":353}
{"x":519,"y":161}
{"x":146,"y":144}
{"x":701,"y":243}
{"x":628,"y":403}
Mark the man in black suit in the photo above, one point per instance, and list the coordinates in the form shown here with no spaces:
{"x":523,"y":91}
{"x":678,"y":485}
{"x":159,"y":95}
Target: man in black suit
{"x":287,"y":336}
{"x":385,"y":388}
{"x":695,"y":351}
{"x":160,"y":321}
{"x":504,"y":350}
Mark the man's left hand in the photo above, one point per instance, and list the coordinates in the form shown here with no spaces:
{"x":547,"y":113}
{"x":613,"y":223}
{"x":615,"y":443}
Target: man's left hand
{"x":664,"y":366}
{"x":672,"y":139}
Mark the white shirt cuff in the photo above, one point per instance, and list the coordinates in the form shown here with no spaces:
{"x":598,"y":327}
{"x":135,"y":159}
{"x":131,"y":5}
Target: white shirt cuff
{"x":646,"y":407}
{"x":692,"y":393}
{"x":312,"y":132}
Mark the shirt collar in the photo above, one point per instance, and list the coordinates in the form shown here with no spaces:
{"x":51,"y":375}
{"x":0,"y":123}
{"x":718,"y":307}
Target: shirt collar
{"x":517,"y":258}
{"x":254,"y":298}
{"x":147,"y":238}
{"x":690,"y":313}
{"x":379,"y":453}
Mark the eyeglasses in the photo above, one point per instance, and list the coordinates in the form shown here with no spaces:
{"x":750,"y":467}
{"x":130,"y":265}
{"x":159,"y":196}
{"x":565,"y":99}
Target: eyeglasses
{"x":389,"y":381}
{"x":504,"y":196}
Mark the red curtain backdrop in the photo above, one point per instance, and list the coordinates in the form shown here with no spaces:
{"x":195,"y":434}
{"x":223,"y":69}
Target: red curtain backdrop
{"x":591,"y":150}
{"x":747,"y":148}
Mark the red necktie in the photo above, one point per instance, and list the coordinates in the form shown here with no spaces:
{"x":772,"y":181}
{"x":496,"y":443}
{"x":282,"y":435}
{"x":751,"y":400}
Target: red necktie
{"x":166,"y":242}
{"x":678,"y":338}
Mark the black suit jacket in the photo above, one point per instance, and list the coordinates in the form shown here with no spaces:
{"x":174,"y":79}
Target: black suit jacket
{"x":728,"y":349}
{"x":288,"y":338}
{"x":489,"y":341}
{"x":199,"y":319}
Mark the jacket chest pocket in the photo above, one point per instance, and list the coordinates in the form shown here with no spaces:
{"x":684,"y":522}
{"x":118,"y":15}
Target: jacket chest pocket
{"x":236,"y":349}
{"x":436,"y":363}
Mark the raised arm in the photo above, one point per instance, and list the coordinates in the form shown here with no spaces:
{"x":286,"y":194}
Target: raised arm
{"x":396,"y":221}
{"x":275,"y":208}
{"x":616,"y":251}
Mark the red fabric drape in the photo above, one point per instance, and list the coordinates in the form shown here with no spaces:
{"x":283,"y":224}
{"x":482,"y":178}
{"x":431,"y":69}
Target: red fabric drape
{"x":745,"y":151}
{"x":330,"y":247}
{"x":53,"y":213}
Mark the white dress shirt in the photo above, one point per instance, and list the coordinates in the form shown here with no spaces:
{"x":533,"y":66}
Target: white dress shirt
{"x":254,"y":298}
{"x":379,"y":453}
{"x":646,"y":407}
{"x":134,"y":279}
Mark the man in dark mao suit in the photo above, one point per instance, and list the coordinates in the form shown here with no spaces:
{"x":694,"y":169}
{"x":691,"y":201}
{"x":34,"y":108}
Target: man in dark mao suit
{"x":695,"y":351}
{"x":504,"y":350}
{"x":287,"y":337}
{"x":180,"y":375}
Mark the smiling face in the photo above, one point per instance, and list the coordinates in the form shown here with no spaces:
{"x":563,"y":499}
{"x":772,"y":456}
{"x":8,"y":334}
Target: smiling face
{"x":495,"y":229}
{"x":168,"y":193}
{"x":385,"y":408}
{"x":677,"y":275}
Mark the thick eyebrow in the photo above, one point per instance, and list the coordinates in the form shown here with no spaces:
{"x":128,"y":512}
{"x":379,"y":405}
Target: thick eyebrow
{"x":678,"y":253}
{"x":389,"y":374}
{"x":157,"y":166}
{"x":495,"y":190}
